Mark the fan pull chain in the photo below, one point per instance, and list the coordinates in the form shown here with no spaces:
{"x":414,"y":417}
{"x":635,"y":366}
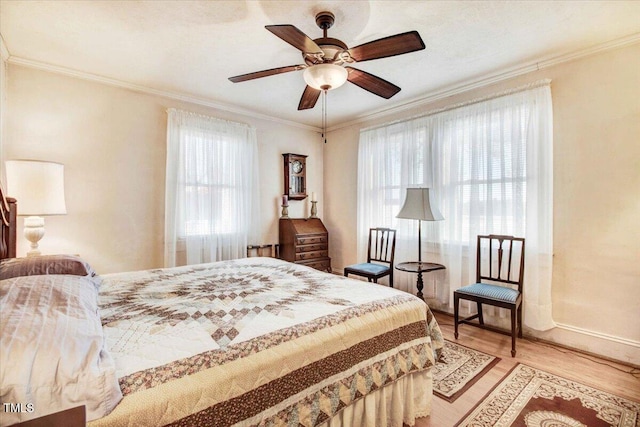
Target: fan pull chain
{"x":324,"y":116}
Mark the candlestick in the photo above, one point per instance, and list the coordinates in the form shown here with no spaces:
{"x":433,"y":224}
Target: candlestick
{"x":314,"y":209}
{"x":285,"y":211}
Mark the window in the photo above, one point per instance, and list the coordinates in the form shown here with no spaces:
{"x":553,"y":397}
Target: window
{"x":486,"y":171}
{"x":208,"y":194}
{"x":489,"y":164}
{"x":211,"y":188}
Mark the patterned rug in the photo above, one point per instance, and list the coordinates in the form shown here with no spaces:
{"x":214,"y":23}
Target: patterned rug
{"x":458,"y":369}
{"x":529,"y":397}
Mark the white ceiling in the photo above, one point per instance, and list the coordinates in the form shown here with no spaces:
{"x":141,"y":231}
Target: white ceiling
{"x":189,"y":48}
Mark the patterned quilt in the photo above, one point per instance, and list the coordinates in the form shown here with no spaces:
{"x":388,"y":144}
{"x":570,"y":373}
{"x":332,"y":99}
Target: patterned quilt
{"x":256,"y":341}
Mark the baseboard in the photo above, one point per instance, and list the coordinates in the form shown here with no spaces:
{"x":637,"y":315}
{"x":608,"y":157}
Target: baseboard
{"x":605,"y":346}
{"x":590,"y":343}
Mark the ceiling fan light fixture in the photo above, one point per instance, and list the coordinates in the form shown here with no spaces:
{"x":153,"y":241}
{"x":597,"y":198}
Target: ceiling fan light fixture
{"x":325,"y":76}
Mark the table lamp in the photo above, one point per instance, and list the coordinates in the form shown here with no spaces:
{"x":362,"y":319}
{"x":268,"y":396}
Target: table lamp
{"x":39,"y":189}
{"x":419,"y":204}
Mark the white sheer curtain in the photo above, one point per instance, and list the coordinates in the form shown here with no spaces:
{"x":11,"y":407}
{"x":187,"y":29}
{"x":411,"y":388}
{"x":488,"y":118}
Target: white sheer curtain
{"x":490,"y":165}
{"x":211,"y":189}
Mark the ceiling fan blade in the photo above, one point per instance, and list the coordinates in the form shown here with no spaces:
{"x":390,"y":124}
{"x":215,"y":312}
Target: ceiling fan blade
{"x":372,"y":83}
{"x":388,"y":46}
{"x":309,"y":98}
{"x":265,"y":73}
{"x":295,"y":38}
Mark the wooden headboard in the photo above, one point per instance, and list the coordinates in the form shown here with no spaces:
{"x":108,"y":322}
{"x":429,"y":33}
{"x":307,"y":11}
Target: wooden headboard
{"x":8,"y":216}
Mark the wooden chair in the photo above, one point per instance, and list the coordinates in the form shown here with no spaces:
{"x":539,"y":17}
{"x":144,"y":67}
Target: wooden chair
{"x":269,"y":250}
{"x":505,"y":269}
{"x":380,"y":253}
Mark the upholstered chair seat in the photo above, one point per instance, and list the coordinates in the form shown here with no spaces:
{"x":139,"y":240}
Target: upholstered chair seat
{"x":495,"y":292}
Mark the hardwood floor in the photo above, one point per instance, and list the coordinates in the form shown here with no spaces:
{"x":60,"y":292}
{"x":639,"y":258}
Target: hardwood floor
{"x":602,"y":374}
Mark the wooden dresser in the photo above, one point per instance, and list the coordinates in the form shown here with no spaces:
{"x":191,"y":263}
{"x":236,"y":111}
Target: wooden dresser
{"x":305,"y":241}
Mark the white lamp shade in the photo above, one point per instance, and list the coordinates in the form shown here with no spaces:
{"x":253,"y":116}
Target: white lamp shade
{"x":37,"y":186}
{"x":419,"y":204}
{"x":325,"y":76}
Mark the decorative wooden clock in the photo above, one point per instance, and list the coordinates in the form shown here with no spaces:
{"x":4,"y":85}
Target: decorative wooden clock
{"x":295,"y":176}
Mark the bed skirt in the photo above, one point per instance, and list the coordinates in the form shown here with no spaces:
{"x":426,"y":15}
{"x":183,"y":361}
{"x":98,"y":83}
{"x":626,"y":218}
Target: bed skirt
{"x":393,"y":405}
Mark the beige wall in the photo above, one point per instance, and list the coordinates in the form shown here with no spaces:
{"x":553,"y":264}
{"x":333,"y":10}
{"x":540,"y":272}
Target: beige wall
{"x":112,"y":143}
{"x":596,"y":275}
{"x":3,"y":98}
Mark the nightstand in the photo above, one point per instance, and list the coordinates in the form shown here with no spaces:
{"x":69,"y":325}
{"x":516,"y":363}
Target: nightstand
{"x":73,"y":417}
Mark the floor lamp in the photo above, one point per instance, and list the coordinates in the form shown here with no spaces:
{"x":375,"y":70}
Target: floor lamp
{"x":39,"y":189}
{"x":419,"y":204}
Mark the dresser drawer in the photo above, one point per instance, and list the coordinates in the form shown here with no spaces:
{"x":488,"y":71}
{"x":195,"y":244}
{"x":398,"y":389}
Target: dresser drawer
{"x":312,"y":247}
{"x":311,"y":255}
{"x":309,"y":239}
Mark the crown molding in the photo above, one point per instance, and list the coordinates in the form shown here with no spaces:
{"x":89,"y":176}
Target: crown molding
{"x":455,"y":89}
{"x":489,"y":79}
{"x":14,"y":60}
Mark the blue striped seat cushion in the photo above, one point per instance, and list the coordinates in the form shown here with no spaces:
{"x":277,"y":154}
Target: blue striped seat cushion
{"x":368,"y":268}
{"x":501,"y":293}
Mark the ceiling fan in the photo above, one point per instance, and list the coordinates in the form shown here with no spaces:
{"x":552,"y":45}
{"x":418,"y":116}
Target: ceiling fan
{"x":326,"y":60}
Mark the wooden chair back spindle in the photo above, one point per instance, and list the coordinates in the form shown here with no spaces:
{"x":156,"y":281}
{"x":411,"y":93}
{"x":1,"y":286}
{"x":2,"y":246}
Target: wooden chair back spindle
{"x":499,"y":244}
{"x":383,"y":240}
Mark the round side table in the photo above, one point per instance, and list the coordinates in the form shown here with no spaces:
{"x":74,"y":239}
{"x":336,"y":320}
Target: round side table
{"x":419,"y":267}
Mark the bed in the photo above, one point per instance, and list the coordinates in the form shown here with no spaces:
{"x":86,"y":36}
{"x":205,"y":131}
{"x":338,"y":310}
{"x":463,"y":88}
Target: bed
{"x":255,"y":341}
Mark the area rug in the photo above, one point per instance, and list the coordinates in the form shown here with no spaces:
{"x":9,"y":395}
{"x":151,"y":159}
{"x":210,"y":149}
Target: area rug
{"x":529,"y":397}
{"x":458,"y":369}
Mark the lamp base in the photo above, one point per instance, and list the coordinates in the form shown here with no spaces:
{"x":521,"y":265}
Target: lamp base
{"x":33,"y":232}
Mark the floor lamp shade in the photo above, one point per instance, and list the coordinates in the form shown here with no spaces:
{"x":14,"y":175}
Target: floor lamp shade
{"x":39,"y":189}
{"x":419,"y":204}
